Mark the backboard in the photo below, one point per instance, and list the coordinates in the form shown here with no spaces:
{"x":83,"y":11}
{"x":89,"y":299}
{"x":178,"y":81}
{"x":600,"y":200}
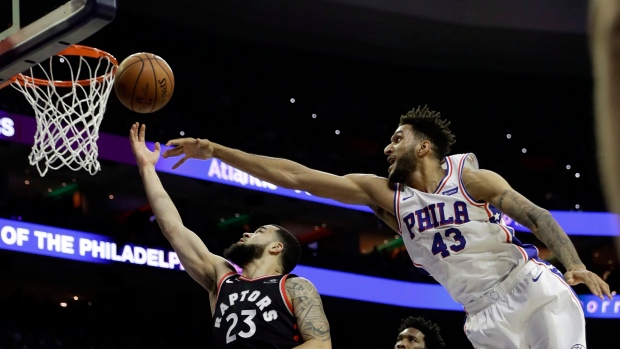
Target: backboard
{"x":34,"y":30}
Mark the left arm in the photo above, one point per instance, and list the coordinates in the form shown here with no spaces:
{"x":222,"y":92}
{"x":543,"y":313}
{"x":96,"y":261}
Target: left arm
{"x":308,"y":309}
{"x":490,"y":187}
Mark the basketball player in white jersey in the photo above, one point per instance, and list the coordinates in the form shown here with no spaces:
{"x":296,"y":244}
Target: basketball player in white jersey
{"x":447,"y":211}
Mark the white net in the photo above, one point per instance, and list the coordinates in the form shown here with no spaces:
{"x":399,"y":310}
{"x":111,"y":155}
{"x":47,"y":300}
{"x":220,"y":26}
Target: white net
{"x":69,"y":99}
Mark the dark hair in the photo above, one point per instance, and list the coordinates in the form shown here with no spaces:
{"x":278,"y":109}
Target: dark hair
{"x":291,"y":251}
{"x":429,"y":125}
{"x":432,"y":338}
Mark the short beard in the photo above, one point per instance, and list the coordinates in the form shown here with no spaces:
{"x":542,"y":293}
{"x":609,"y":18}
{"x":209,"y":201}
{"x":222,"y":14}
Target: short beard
{"x":243,"y":254}
{"x":405,"y":166}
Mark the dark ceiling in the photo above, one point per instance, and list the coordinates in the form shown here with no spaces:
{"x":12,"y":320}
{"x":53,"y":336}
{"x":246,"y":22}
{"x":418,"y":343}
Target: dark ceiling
{"x":505,"y":67}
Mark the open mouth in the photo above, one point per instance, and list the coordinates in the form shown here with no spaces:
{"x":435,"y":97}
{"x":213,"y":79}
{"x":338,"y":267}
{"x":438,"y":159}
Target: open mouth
{"x":391,"y":161}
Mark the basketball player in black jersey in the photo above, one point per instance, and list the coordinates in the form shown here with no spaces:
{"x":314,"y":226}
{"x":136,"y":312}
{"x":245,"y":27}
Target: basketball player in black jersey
{"x":264,"y":307}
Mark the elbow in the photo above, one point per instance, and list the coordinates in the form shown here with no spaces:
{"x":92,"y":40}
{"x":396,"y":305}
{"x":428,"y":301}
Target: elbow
{"x":539,"y":218}
{"x":326,"y":344}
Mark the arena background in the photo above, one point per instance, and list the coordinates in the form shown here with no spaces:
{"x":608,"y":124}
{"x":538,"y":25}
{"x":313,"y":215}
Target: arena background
{"x":495,"y":70}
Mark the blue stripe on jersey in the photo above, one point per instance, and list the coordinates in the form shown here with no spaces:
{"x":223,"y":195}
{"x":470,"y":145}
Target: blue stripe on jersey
{"x":529,"y":249}
{"x":422,"y":270}
{"x":446,"y":176}
{"x":465,"y":192}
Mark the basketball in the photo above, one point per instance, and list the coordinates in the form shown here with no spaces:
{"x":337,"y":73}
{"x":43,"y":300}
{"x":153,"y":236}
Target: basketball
{"x":144,"y":82}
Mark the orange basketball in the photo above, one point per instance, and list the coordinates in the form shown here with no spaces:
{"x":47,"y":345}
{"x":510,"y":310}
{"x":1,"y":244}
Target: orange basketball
{"x":144,"y":82}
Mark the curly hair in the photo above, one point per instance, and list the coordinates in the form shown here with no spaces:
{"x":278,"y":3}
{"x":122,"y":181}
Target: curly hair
{"x":429,"y":125}
{"x":432,"y":337}
{"x":291,"y":251}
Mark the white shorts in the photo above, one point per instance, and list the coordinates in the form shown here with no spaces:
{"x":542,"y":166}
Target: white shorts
{"x":533,"y":308}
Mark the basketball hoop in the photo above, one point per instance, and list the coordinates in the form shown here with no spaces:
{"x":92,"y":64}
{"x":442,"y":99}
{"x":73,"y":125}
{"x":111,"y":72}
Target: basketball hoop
{"x":69,"y":96}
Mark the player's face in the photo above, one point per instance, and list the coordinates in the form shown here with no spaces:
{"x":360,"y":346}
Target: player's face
{"x":251,"y":246}
{"x":401,"y":155}
{"x":410,"y":338}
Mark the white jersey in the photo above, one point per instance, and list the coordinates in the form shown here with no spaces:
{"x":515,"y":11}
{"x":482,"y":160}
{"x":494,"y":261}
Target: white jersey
{"x":461,"y":243}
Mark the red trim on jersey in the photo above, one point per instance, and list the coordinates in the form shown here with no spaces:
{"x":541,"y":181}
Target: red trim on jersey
{"x":419,"y":266}
{"x":397,"y":207}
{"x":509,"y":239}
{"x":462,"y":186}
{"x":445,"y":179}
{"x":284,"y":295}
{"x":219,"y":284}
{"x":486,"y":207}
{"x":508,"y":235}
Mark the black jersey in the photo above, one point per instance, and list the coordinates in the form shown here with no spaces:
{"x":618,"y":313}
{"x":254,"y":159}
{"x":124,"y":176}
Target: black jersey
{"x":254,"y":313}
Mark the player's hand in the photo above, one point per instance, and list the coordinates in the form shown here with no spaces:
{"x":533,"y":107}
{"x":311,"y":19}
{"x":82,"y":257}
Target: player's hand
{"x":144,"y":157}
{"x":582,"y":276}
{"x":190,"y":148}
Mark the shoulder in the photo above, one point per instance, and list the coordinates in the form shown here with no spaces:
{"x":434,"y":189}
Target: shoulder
{"x":298,"y":281}
{"x":466,"y":160}
{"x":297,"y":287}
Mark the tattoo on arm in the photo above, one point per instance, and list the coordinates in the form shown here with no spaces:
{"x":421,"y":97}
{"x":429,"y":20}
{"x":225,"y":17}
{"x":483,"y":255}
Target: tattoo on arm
{"x":541,"y":223}
{"x":308,"y":309}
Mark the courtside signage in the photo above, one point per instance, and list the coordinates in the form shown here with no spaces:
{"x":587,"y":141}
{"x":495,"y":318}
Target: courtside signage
{"x":56,"y":242}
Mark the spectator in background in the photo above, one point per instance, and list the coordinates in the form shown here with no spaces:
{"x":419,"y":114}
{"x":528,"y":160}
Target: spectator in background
{"x":418,"y":333}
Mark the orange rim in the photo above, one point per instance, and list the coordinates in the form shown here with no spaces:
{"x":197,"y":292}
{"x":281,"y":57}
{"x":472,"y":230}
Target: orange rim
{"x":73,"y":50}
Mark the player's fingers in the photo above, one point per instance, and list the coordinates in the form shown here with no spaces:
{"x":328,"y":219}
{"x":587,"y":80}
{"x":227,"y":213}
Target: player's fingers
{"x":132,"y":132}
{"x":175,"y":142}
{"x":570,"y":279}
{"x":180,"y":162}
{"x":142,"y":134}
{"x":157,"y":148}
{"x":604,"y":287}
{"x":593,"y":285}
{"x":173,"y":151}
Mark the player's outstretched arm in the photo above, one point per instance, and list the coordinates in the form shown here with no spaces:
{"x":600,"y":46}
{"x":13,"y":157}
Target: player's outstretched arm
{"x":308,"y":310}
{"x":202,"y":265}
{"x":359,"y":189}
{"x":490,"y":187}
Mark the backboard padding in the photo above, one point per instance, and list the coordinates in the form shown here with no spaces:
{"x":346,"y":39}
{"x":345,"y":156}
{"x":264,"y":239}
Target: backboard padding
{"x":69,"y":24}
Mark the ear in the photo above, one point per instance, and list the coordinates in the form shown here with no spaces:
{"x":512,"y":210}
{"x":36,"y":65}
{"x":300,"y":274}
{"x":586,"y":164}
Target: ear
{"x":276,"y":248}
{"x":423,"y":148}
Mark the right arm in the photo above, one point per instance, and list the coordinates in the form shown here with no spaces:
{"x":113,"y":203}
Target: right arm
{"x":356,"y":189}
{"x":202,"y":265}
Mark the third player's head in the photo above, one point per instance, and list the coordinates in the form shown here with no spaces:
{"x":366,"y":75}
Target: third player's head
{"x":418,"y":333}
{"x":421,"y":133}
{"x":267,"y":241}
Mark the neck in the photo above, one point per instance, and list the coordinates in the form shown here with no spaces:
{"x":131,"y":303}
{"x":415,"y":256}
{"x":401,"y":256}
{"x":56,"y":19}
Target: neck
{"x":260,"y":267}
{"x":427,"y":176}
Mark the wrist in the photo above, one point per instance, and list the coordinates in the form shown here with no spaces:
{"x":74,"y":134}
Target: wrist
{"x":146,"y":168}
{"x":217,"y":150}
{"x":578,"y":266}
